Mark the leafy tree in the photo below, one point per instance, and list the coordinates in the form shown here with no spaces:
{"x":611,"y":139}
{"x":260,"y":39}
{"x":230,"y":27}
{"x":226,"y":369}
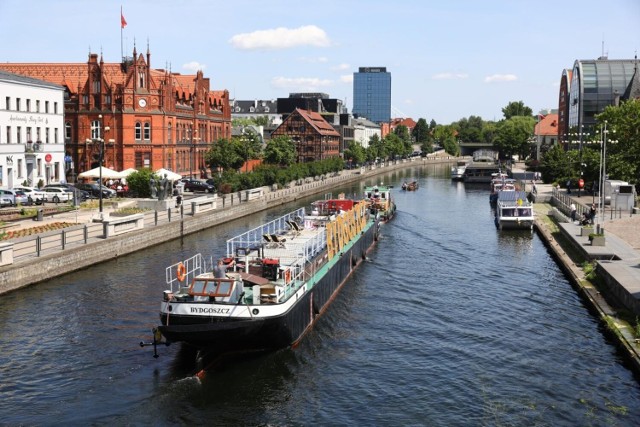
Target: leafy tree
{"x":376,"y":149}
{"x":138,"y":182}
{"x":394,"y":145}
{"x":280,"y":150}
{"x":444,"y":135}
{"x":512,"y":136}
{"x":623,"y":126}
{"x":432,"y":125}
{"x":355,"y":153}
{"x":469,"y":130}
{"x":224,"y":154}
{"x":514,"y":109}
{"x":488,"y":133}
{"x":420,"y":132}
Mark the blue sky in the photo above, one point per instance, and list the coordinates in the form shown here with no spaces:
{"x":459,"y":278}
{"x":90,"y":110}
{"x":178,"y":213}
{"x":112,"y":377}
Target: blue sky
{"x":448,"y":59}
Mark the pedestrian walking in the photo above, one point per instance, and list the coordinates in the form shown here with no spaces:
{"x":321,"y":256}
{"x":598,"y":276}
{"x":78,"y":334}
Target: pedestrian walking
{"x":573,"y":212}
{"x":592,"y":213}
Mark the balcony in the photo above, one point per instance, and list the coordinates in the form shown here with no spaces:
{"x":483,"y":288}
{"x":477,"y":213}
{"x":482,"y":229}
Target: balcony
{"x":33,"y":147}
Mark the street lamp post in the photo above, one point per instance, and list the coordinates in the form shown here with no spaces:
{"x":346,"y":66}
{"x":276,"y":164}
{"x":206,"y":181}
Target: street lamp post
{"x":100,"y":141}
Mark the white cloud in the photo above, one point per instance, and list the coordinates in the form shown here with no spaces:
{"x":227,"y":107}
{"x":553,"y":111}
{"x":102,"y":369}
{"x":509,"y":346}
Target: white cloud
{"x":300,"y":83}
{"x":500,"y":78}
{"x":281,"y":38}
{"x":341,"y":67}
{"x":194,"y":66}
{"x":450,"y":76}
{"x":347,"y":78}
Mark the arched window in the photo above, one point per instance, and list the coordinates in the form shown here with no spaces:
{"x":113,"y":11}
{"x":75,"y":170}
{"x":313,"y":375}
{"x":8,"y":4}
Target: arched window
{"x":67,"y":131}
{"x":138,"y":131}
{"x":147,"y":131}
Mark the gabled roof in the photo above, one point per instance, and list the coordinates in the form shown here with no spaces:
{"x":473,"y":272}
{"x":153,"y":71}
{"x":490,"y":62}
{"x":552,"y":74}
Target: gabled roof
{"x":547,"y":126}
{"x":318,"y":122}
{"x":408,"y":122}
{"x":633,"y":90}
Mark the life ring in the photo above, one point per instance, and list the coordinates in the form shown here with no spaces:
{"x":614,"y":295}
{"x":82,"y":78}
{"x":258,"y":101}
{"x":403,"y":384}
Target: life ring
{"x":181,"y":272}
{"x":287,"y":276}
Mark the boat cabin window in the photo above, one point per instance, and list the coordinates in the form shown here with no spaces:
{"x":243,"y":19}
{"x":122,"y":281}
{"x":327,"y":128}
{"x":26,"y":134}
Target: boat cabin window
{"x":211,"y":287}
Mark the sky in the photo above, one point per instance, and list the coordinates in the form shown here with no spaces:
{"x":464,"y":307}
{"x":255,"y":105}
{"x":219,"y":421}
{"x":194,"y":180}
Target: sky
{"x":448,"y":59}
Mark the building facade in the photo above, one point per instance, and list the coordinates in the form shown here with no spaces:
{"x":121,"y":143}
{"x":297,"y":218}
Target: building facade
{"x":595,"y":84}
{"x":253,"y":109}
{"x":136,"y":115}
{"x":372,"y":94}
{"x":364,"y":130}
{"x":314,"y":138}
{"x":31,"y":131}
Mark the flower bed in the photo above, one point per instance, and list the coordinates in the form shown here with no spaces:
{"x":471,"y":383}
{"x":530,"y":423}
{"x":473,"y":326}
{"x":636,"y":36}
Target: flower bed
{"x":34,"y":230}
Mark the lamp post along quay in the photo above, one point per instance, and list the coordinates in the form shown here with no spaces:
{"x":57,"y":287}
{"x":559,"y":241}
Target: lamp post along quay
{"x":99,"y":140}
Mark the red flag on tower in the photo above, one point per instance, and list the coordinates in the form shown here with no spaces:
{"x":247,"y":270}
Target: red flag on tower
{"x":123,"y":22}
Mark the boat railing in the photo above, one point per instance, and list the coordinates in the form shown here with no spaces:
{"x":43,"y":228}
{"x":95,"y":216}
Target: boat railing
{"x":183,"y":272}
{"x":253,"y":238}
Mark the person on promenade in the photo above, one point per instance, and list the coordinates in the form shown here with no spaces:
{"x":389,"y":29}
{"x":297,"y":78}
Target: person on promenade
{"x":592,"y":213}
{"x":573,"y":212}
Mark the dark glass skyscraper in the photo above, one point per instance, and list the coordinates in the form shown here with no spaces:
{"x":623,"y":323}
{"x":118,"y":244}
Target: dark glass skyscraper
{"x":372,"y":94}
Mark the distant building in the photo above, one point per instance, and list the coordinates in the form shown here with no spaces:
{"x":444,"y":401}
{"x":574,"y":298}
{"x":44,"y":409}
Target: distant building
{"x":595,"y":84}
{"x":256,"y":108}
{"x":146,"y":117}
{"x":546,"y":134}
{"x":372,"y":94}
{"x":364,"y":130}
{"x":313,"y":136}
{"x":563,"y":106}
{"x":31,"y":131}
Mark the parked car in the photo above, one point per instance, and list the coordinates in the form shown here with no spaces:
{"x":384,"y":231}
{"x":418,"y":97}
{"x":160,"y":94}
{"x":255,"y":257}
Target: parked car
{"x":82,"y":195}
{"x":37,"y":196}
{"x":57,"y":194}
{"x":194,"y":185}
{"x":13,"y":196}
{"x":94,"y":190}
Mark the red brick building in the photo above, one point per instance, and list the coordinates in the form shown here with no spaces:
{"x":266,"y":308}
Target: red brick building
{"x":147,"y":117}
{"x":313,"y":136}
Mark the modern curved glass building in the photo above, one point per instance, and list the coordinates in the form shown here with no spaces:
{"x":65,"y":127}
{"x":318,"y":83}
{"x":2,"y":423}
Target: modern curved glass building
{"x":596,"y":84}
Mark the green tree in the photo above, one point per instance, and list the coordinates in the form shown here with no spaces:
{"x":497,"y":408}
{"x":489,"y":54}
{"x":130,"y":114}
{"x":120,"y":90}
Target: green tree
{"x":355,"y":153}
{"x":488,"y":133}
{"x":420,"y":132}
{"x":623,"y":127}
{"x":138,"y":182}
{"x":516,"y":108}
{"x":469,"y":130}
{"x":280,"y":150}
{"x":376,"y":149}
{"x":394,"y":145}
{"x":512,"y":136}
{"x":444,"y":135}
{"x":224,"y":154}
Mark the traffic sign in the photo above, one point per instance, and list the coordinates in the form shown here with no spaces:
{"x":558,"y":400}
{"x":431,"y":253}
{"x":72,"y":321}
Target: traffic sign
{"x":47,"y":158}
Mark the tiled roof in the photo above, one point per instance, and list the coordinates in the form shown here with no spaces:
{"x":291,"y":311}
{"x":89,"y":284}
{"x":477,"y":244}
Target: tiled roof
{"x":6,"y":76}
{"x":547,"y":126}
{"x":318,"y":122}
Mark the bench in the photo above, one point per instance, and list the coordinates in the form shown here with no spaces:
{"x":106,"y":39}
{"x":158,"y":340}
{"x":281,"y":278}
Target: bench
{"x":115,"y":225}
{"x":6,"y":253}
{"x":204,"y":203}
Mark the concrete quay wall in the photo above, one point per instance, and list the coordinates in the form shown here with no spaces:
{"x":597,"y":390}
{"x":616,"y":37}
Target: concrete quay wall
{"x":58,"y":263}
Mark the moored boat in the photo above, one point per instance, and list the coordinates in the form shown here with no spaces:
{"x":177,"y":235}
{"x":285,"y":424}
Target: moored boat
{"x":500,"y":183}
{"x":514,"y":211}
{"x":457,"y":171}
{"x":380,"y":201}
{"x":482,"y":167}
{"x":410,"y":186}
{"x":283,"y":274}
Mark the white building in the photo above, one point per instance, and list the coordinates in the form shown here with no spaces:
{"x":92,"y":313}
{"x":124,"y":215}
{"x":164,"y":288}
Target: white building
{"x":364,"y":129}
{"x":31,"y":131}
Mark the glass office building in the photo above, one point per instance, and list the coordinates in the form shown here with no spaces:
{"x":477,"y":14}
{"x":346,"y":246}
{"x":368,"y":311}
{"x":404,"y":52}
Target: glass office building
{"x":372,"y":94}
{"x":595,"y":84}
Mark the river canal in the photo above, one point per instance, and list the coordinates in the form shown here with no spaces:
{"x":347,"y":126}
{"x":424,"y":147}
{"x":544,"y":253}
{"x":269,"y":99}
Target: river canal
{"x":448,"y":323}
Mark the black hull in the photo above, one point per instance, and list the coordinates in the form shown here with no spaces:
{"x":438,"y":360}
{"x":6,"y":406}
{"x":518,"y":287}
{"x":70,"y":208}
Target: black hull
{"x":268,"y":333}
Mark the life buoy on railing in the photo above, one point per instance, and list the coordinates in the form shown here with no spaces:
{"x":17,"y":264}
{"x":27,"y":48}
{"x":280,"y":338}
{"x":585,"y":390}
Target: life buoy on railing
{"x":287,"y":276}
{"x":181,"y":272}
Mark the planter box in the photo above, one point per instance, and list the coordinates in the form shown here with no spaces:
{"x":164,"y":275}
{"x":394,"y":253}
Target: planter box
{"x":585,"y":231}
{"x":597,"y":241}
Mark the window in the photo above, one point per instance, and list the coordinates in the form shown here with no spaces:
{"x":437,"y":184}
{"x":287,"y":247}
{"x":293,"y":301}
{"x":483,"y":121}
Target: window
{"x":46,"y":107}
{"x":67,"y":131}
{"x":95,"y":129}
{"x":169,"y":130}
{"x":46,"y":135}
{"x":38,"y":134}
{"x":18,"y":136}
{"x":29,"y":139}
{"x":107,"y":99}
{"x":19,"y":168}
{"x":55,"y":108}
{"x":8,"y":134}
{"x":138,"y":131}
{"x":17,"y":104}
{"x":7,"y":103}
{"x":39,"y":163}
{"x":147,"y":131}
{"x":28,"y":105}
{"x":55,"y":135}
{"x":96,"y":86}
